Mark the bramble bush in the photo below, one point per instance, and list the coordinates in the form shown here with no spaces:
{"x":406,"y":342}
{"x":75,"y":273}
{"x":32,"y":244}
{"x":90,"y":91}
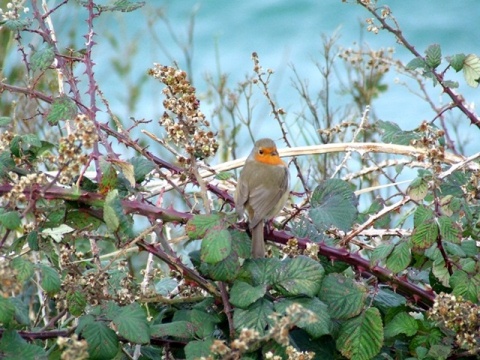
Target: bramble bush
{"x":111,"y":249}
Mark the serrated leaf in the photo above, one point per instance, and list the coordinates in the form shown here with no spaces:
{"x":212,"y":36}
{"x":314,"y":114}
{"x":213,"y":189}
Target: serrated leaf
{"x":5,"y":120}
{"x":225,"y":270}
{"x":471,"y":70}
{"x":440,"y":271}
{"x":392,"y":133}
{"x":402,"y":323}
{"x":32,"y":240}
{"x":465,"y":285}
{"x":361,"y":338}
{"x":102,"y":341}
{"x":424,"y":235}
{"x":58,"y":232}
{"x":50,"y":280}
{"x":434,"y":56}
{"x":132,"y":324}
{"x":6,"y":163}
{"x":224,"y":175}
{"x":13,"y":346}
{"x":416,"y":63}
{"x":451,"y":84}
{"x":62,"y":108}
{"x":242,"y":294}
{"x":400,"y":257}
{"x":386,"y":299}
{"x":7,"y":310}
{"x":241,"y":243}
{"x":176,"y":329}
{"x":198,"y":225}
{"x":24,"y":269}
{"x":418,"y":189}
{"x":121,"y":5}
{"x":298,"y":276}
{"x":422,"y":214}
{"x":381,"y":252}
{"x":142,"y":167}
{"x":76,"y":302}
{"x":449,"y":230}
{"x":261,"y":269}
{"x":216,"y":245}
{"x":10,"y":220}
{"x":255,"y":317}
{"x":81,"y":219}
{"x":344,"y":297}
{"x":317,"y":323}
{"x":111,"y":209}
{"x":333,"y":203}
{"x":109,"y":180}
{"x":42,"y":59}
{"x":456,"y":61}
{"x":198,"y":349}
{"x":17,"y":24}
{"x":203,"y":323}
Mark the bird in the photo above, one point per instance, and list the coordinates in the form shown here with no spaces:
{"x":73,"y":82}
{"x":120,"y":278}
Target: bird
{"x":262,"y":190}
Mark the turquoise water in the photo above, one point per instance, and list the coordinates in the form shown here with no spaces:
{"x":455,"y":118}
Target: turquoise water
{"x":282,"y":32}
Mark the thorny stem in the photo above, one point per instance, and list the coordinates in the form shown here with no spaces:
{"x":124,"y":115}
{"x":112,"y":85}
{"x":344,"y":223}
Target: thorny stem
{"x":458,"y":100}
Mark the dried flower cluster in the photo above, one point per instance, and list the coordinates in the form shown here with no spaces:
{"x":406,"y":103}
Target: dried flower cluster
{"x":183,"y":121}
{"x":9,"y":283}
{"x":463,"y":317}
{"x":72,"y":348}
{"x":70,"y":157}
{"x":20,"y":183}
{"x":378,"y":61}
{"x":430,"y":140}
{"x":14,"y":9}
{"x":96,"y":286}
{"x":249,"y":339}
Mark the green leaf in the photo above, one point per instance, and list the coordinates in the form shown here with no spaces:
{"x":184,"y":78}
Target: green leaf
{"x":298,"y":276}
{"x":333,"y":204}
{"x":5,"y":120}
{"x":81,"y":219}
{"x":17,"y":24}
{"x":7,"y":310}
{"x":42,"y":59}
{"x":451,"y":84}
{"x":418,"y":189}
{"x":345,"y":298}
{"x":317,"y":323}
{"x":400,"y":257}
{"x":62,"y":108}
{"x":260,"y":269}
{"x":241,"y":243}
{"x":225,"y":270}
{"x":393,"y":134}
{"x":465,"y":285}
{"x":224,"y":175}
{"x":386,"y":299}
{"x":102,"y":341}
{"x":380,"y":253}
{"x":109,"y":180}
{"x":132,"y":324}
{"x":13,"y":346}
{"x":198,"y":225}
{"x":424,"y":235}
{"x":50,"y":280}
{"x":112,"y":210}
{"x":216,"y":245}
{"x":242,"y":294}
{"x":121,"y":5}
{"x":471,"y":70}
{"x":402,"y":323}
{"x":361,"y":338}
{"x":32,"y":240}
{"x":11,"y":220}
{"x":422,"y":214}
{"x":142,"y":167}
{"x":439,"y":351}
{"x":416,"y":63}
{"x":434,"y":56}
{"x":198,"y":349}
{"x":203,"y":323}
{"x":176,"y":329}
{"x":449,"y":230}
{"x":256,"y":317}
{"x":6,"y":163}
{"x":24,"y":269}
{"x":440,"y":271}
{"x":76,"y":302}
{"x":456,"y":61}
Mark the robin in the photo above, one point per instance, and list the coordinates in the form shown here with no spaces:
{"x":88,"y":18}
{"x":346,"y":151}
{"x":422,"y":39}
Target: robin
{"x":262,"y":190}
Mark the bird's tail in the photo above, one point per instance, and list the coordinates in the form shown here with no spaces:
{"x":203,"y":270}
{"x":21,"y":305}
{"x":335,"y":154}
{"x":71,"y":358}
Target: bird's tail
{"x":258,"y":244}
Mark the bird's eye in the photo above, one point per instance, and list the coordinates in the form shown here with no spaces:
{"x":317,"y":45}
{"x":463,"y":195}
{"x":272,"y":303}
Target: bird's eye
{"x":260,"y":151}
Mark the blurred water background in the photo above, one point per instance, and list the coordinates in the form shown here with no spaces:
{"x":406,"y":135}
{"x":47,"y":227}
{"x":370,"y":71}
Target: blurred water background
{"x":282,"y":32}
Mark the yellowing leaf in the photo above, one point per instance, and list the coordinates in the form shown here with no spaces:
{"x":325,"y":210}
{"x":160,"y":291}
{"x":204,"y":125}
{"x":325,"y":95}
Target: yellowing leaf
{"x":471,"y":70}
